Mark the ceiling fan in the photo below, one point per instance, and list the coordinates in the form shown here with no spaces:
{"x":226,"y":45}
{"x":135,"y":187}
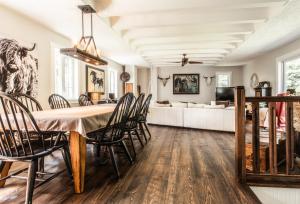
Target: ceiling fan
{"x":186,"y":60}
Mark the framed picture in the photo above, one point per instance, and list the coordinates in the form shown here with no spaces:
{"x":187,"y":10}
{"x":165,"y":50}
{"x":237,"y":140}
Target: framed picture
{"x":95,"y":79}
{"x":186,"y":83}
{"x":18,"y":67}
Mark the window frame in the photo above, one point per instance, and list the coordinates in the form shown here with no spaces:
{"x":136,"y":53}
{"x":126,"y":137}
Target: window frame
{"x":54,"y":88}
{"x":280,"y":75}
{"x":109,"y":75}
{"x":228,"y":73}
{"x":283,"y":72}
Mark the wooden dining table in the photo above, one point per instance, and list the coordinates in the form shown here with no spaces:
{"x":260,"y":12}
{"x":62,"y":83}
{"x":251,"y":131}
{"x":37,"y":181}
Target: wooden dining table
{"x":79,"y":121}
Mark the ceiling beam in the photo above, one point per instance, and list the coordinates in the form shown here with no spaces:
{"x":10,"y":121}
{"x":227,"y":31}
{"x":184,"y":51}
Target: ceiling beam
{"x":169,"y":31}
{"x":178,"y":62}
{"x":204,"y":45}
{"x":122,"y":8}
{"x":179,"y":65}
{"x":192,"y":18}
{"x":200,"y":55}
{"x":190,"y":58}
{"x":187,"y":39}
{"x":186,"y":51}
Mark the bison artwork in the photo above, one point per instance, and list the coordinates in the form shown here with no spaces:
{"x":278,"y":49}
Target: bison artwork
{"x":18,"y":68}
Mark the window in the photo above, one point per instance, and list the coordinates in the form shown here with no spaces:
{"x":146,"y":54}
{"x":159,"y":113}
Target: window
{"x":113,"y":82}
{"x":290,"y":74}
{"x":66,"y":75}
{"x":223,"y":79}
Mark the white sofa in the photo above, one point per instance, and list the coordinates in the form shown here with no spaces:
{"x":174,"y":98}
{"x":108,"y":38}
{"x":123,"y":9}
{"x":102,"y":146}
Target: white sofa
{"x":171,"y":116}
{"x":200,"y":118}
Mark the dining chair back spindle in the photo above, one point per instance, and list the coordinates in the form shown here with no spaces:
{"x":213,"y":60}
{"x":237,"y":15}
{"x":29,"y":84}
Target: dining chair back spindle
{"x":143,"y":117}
{"x":113,"y":133}
{"x":132,"y":123}
{"x":84,"y":100}
{"x":29,"y":102}
{"x":32,"y":105}
{"x":119,"y":117}
{"x":58,"y":102}
{"x":17,"y":127}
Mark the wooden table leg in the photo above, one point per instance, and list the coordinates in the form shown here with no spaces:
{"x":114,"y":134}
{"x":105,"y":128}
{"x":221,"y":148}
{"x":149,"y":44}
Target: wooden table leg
{"x":78,"y":157}
{"x":4,"y":169}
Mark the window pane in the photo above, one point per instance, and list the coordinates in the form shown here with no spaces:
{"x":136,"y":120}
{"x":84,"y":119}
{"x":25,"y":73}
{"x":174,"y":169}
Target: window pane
{"x":66,"y":76}
{"x":292,"y":74}
{"x":223,"y":80}
{"x":112,"y":74}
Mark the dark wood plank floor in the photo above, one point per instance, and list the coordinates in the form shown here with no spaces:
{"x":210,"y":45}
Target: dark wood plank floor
{"x":177,"y":166}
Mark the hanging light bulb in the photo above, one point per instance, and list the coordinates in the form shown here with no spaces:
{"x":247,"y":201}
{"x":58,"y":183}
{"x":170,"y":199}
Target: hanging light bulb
{"x":85,"y":49}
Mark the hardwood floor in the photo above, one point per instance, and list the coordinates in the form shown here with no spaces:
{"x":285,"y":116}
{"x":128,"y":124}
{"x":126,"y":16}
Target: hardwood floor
{"x":177,"y":166}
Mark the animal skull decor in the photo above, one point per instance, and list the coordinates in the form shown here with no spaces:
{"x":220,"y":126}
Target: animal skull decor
{"x":208,"y":79}
{"x":164,"y":80}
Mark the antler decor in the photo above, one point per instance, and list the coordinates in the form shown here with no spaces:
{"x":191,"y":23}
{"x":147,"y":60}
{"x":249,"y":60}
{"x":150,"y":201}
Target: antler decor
{"x":164,"y":80}
{"x":208,"y":79}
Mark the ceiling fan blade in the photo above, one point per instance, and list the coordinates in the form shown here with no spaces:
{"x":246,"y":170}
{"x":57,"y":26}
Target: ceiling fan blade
{"x":173,"y":62}
{"x":195,"y":62}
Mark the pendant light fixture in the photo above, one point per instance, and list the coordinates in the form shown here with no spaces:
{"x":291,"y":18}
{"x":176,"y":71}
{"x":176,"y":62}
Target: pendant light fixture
{"x":86,"y":49}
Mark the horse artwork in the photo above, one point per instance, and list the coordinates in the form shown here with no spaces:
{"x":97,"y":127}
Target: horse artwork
{"x":186,"y":83}
{"x":95,"y":79}
{"x":18,"y":68}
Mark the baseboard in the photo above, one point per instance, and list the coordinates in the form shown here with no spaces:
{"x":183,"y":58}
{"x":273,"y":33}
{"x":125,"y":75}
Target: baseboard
{"x":180,"y":127}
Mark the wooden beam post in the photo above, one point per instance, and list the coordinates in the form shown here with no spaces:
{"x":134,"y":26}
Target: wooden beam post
{"x":240,"y":157}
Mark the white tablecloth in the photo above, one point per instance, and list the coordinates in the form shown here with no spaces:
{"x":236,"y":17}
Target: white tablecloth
{"x":80,"y":119}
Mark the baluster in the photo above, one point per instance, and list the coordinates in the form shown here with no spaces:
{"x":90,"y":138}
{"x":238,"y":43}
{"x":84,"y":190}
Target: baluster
{"x":272,"y":138}
{"x":289,"y":137}
{"x":240,"y":157}
{"x":255,"y":137}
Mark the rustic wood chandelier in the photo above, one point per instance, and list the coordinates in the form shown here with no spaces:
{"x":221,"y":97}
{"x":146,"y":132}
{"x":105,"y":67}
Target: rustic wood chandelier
{"x":86,"y":49}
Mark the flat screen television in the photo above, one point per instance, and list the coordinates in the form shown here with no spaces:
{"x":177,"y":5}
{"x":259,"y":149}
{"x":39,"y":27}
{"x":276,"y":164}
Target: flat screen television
{"x":225,"y":94}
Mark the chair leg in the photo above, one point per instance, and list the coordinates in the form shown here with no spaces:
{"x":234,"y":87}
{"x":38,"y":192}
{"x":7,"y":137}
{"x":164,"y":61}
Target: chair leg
{"x":126,"y":151}
{"x":41,"y":167}
{"x":143,"y":132}
{"x":33,"y":167}
{"x":139,"y":138}
{"x":132,"y":144}
{"x":97,"y":149}
{"x":67,"y":158}
{"x":113,"y":160}
{"x":145,"y":124}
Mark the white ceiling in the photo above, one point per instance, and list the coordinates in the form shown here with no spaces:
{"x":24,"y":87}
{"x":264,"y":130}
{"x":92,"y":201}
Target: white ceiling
{"x":157,"y":32}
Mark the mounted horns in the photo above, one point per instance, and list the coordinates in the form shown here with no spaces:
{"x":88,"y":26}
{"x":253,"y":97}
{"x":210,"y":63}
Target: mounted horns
{"x":164,"y":80}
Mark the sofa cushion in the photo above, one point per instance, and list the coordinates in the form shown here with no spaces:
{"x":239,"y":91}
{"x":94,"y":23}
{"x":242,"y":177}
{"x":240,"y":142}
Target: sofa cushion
{"x":215,"y":106}
{"x":161,"y":105}
{"x":179,"y":105}
{"x":166,"y":116}
{"x":196,"y":105}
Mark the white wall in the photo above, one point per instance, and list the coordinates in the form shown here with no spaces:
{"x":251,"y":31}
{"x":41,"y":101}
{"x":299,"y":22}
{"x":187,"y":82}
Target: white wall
{"x":265,"y":66}
{"x":21,"y":28}
{"x":143,"y":80}
{"x":207,"y":93}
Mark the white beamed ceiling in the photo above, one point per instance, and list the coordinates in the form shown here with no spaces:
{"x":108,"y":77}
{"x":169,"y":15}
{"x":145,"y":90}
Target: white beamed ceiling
{"x":207,"y":31}
{"x":157,"y":32}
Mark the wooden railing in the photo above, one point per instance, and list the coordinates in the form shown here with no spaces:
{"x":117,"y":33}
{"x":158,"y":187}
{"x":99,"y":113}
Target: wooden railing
{"x":280,"y":149}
